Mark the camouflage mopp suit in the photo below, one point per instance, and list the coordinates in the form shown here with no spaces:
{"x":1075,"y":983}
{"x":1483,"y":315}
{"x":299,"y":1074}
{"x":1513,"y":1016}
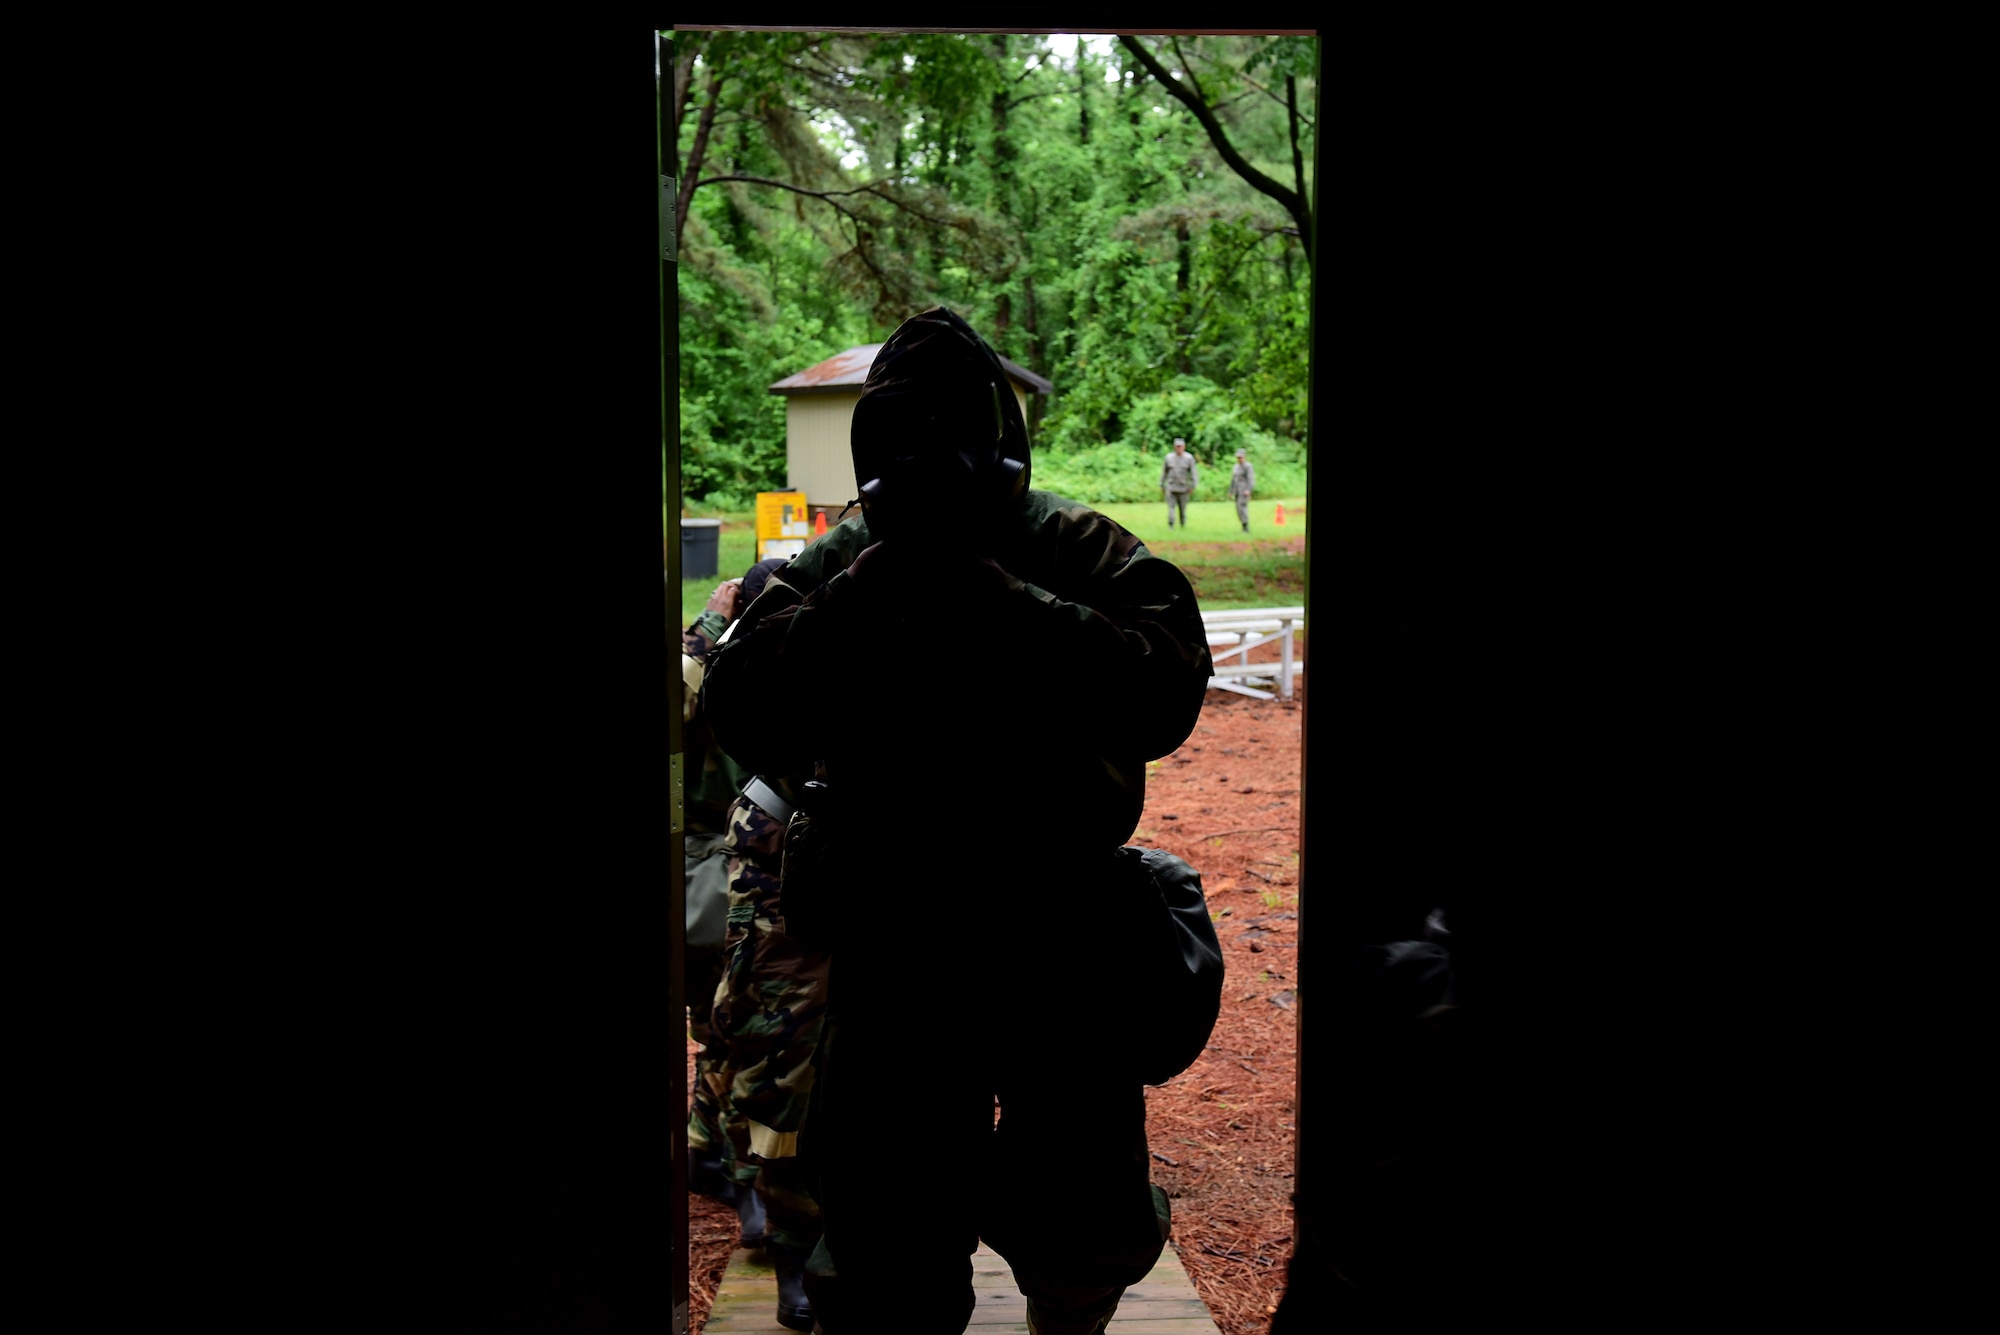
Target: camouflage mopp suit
{"x":712,"y":785}
{"x":766,"y":1018}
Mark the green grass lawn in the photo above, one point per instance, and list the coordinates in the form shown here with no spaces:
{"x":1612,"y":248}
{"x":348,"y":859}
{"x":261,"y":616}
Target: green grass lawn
{"x":1208,"y":521}
{"x":1227,"y":568}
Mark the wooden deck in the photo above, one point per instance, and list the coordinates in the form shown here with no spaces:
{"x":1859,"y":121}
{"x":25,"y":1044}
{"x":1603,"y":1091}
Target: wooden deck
{"x":1164,"y":1303}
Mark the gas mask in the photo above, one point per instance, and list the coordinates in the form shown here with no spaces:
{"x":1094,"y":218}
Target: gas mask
{"x":937,"y":437}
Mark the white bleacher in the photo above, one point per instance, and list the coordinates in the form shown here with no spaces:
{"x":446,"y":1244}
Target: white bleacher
{"x":1234,"y":633}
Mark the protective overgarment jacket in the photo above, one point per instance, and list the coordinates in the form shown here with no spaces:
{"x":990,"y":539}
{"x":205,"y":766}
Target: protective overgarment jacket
{"x":985,"y":741}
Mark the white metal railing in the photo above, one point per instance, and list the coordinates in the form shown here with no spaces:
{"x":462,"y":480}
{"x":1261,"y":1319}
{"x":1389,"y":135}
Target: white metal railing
{"x":1234,"y":633}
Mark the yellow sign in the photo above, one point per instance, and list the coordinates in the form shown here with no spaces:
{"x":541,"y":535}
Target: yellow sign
{"x":783,"y":526}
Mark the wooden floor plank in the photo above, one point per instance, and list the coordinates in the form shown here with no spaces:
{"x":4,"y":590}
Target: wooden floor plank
{"x":1119,"y":1326}
{"x":746,"y":1302}
{"x":1164,"y":1303}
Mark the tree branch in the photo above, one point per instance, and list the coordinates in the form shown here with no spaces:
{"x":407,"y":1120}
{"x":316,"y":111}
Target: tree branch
{"x":1031,"y":97}
{"x":1293,"y":202}
{"x":1254,"y":84}
{"x":1215,"y":288}
{"x":698,"y":153}
{"x":826,"y":196}
{"x":1259,"y":829}
{"x":683,"y":81}
{"x":1187,"y":67}
{"x":1292,"y":123}
{"x":829,"y":196}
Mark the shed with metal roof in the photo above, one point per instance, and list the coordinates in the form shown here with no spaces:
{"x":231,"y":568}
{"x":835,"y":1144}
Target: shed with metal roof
{"x":819,"y":411}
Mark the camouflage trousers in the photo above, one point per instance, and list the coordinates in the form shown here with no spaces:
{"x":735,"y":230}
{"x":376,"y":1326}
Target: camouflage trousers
{"x":707,"y":873}
{"x":766,"y":1018}
{"x":707,"y":1132}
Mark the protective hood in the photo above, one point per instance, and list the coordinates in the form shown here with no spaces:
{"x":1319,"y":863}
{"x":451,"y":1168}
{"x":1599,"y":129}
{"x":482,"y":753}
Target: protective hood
{"x":938,"y":418}
{"x":757,"y":576}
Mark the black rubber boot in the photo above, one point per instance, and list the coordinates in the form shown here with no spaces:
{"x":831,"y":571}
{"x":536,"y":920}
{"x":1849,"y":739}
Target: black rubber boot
{"x":794,"y":1308}
{"x":750,"y":1213}
{"x":706,"y":1177}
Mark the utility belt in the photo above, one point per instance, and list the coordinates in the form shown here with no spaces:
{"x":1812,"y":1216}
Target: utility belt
{"x":769,"y":798}
{"x":814,"y":869}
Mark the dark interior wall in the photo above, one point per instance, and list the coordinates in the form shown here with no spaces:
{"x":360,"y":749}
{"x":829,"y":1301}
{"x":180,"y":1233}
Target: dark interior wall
{"x":1502,"y":370}
{"x":1500,"y":364}
{"x":448,"y":1095}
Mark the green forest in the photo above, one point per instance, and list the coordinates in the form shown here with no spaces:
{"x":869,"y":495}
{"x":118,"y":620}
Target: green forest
{"x":1128,"y":217}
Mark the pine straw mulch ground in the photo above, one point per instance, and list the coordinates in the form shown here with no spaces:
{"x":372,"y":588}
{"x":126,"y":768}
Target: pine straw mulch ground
{"x":1221,"y":1132}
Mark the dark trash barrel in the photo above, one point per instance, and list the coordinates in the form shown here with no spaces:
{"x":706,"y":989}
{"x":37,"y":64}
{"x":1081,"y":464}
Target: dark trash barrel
{"x":698,"y":540}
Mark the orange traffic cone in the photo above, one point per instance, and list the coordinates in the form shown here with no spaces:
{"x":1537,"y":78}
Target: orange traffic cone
{"x":1281,"y":512}
{"x":819,"y":523}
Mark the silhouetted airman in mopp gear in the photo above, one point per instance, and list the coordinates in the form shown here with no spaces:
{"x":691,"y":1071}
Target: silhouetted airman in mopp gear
{"x":976,"y":674}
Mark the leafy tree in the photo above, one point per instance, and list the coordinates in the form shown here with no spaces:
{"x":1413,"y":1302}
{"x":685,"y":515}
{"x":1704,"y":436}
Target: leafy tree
{"x":1224,"y":80}
{"x":1082,"y":218}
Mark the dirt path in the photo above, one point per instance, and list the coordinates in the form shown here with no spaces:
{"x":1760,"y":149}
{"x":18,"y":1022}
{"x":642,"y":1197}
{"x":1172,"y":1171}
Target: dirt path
{"x":1228,"y":802}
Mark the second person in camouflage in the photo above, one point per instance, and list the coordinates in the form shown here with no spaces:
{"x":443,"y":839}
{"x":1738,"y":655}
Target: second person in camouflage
{"x":712,"y":784}
{"x":767,"y":1017}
